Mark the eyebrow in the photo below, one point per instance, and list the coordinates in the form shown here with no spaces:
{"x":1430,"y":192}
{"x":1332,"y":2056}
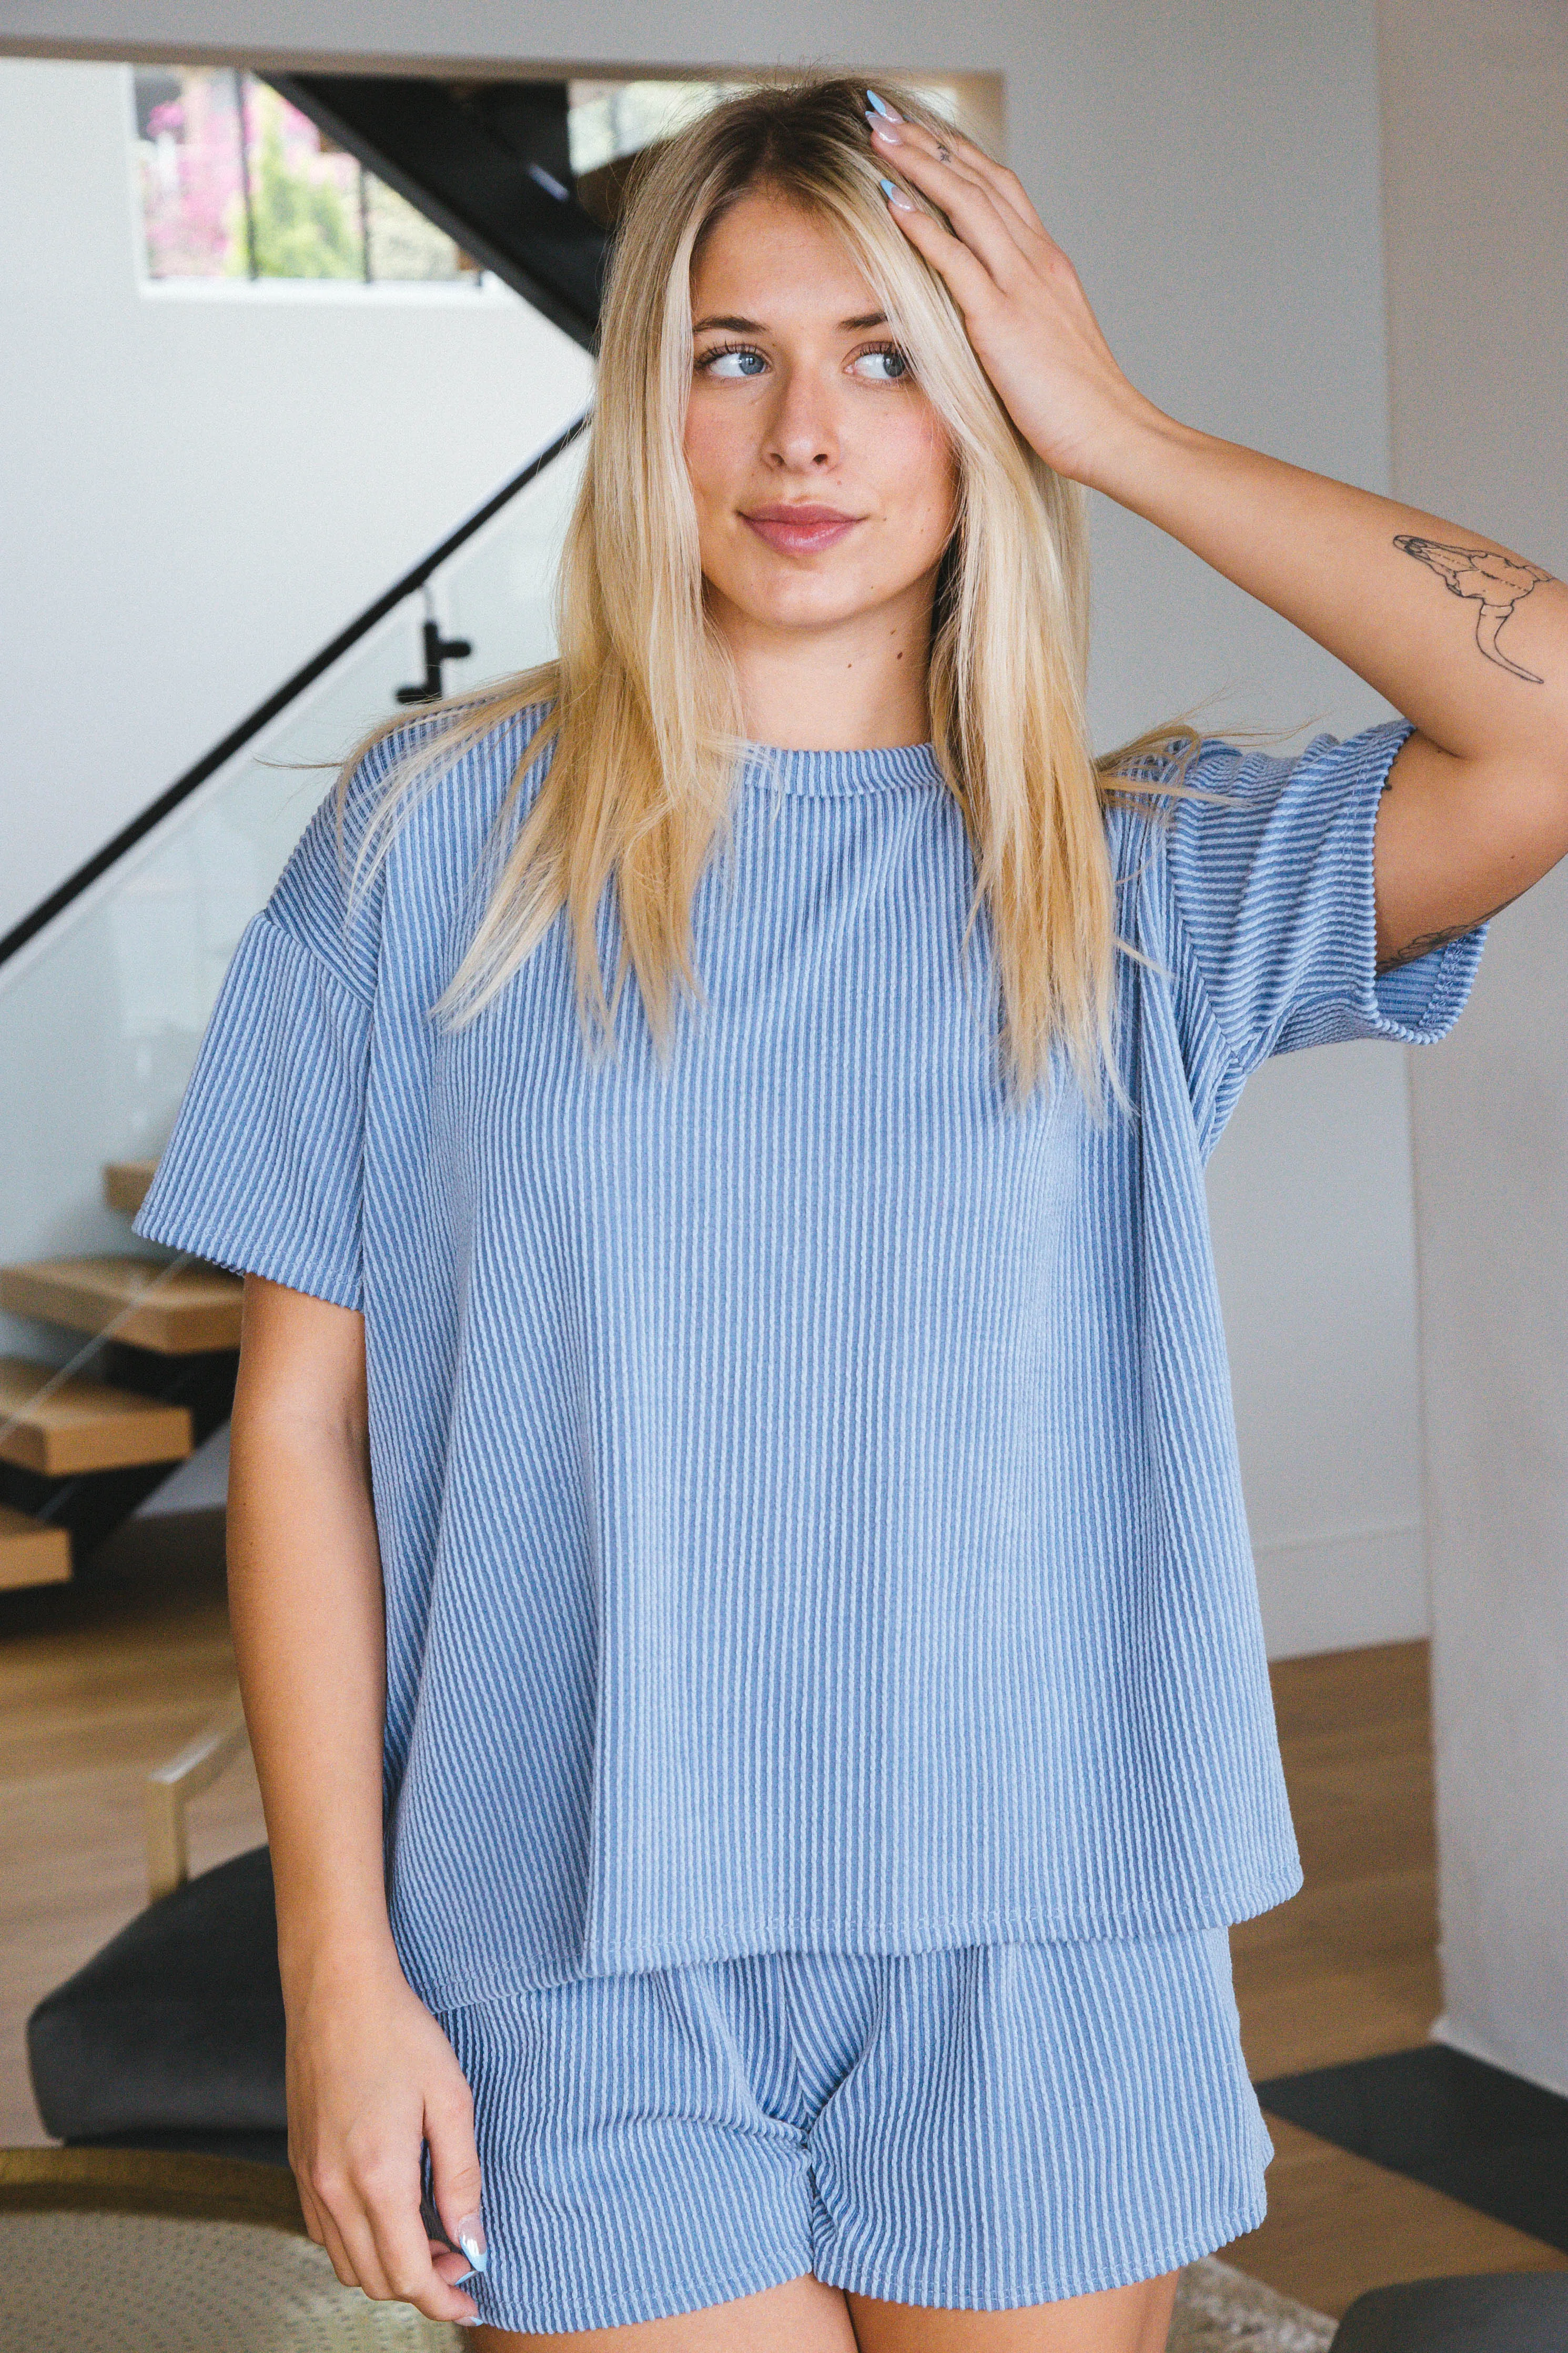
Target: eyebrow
{"x":755,"y":327}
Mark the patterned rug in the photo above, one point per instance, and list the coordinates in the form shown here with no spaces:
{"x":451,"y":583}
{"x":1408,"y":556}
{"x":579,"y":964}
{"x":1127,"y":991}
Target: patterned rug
{"x":152,"y":2284}
{"x":1219,"y":2310}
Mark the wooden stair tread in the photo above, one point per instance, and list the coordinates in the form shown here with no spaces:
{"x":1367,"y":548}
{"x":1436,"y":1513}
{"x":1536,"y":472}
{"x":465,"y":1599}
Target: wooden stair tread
{"x":125,"y":1183}
{"x":30,"y":1551}
{"x":84,"y":1425}
{"x":192,"y":1310}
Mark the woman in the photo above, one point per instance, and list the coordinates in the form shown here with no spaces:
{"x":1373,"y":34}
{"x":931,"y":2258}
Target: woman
{"x":736,"y":1558}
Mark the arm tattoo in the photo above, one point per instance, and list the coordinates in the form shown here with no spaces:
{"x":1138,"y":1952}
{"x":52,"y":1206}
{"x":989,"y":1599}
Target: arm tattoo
{"x":1496,"y":583}
{"x":1414,"y":949}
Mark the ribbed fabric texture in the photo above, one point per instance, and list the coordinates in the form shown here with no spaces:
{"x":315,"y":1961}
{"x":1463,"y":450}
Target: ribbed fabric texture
{"x":806,"y":1483}
{"x":975,"y":2128}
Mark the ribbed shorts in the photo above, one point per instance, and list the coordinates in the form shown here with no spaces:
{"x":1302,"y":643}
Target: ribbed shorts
{"x":979,"y":2128}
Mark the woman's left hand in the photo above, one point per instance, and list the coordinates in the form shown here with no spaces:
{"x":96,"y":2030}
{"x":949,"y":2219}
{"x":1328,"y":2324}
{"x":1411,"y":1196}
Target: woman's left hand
{"x":1026,"y":314}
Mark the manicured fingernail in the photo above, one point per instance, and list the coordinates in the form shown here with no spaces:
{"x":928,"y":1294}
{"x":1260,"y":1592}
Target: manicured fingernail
{"x":882,"y":129}
{"x":472,"y":2239}
{"x":467,"y":2319}
{"x":889,"y":113}
{"x":899,"y":204}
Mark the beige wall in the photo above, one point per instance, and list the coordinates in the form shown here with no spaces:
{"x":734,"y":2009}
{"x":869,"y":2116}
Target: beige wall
{"x":1475,"y":104}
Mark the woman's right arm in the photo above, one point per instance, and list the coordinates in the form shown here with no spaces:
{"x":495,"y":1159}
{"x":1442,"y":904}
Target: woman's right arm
{"x":371,"y":2075}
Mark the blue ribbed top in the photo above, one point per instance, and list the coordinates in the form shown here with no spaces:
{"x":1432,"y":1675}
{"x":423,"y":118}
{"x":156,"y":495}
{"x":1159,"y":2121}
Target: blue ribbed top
{"x":830,"y":774}
{"x":806,"y":1482}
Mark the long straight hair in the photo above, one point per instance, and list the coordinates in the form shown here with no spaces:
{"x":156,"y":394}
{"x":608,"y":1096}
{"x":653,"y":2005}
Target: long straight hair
{"x":642,"y":706}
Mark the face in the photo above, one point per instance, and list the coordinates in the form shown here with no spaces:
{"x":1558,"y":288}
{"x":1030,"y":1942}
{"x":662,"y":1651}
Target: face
{"x":824,"y":480}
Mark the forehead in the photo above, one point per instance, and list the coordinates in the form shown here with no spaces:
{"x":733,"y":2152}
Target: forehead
{"x":770,"y":259}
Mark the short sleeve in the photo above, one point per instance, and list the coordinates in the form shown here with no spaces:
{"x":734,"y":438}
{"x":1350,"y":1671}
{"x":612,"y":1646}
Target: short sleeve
{"x":263,"y":1172}
{"x":1273,"y":887}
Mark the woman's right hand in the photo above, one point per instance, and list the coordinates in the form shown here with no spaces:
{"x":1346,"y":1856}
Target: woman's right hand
{"x":371,"y":2077}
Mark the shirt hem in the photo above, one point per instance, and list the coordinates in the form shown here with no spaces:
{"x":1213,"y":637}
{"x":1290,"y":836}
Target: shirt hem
{"x":234,"y":1255}
{"x":472,"y":1990}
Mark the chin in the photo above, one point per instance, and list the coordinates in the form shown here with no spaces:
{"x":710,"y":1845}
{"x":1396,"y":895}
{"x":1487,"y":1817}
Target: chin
{"x":813,"y":601}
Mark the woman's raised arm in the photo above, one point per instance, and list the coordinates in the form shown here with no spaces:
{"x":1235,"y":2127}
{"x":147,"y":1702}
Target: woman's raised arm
{"x":370,"y":2074}
{"x":1466,"y":638}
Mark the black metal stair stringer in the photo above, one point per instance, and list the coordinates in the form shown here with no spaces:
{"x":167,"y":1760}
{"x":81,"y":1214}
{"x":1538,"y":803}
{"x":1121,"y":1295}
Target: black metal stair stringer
{"x":486,"y":162}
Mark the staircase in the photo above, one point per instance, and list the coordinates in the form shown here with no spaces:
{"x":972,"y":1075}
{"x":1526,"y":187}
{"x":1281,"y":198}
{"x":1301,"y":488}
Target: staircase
{"x":154,"y":1344}
{"x":490,"y":162}
{"x":80,"y":1451}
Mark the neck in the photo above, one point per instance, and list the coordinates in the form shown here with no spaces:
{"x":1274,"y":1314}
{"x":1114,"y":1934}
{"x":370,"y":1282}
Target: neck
{"x":848,"y":686}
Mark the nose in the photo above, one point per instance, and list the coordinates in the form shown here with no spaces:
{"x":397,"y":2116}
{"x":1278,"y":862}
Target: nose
{"x":803,"y":431}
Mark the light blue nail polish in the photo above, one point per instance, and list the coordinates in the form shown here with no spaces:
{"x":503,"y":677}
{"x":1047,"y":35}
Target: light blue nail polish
{"x":470,"y":2235}
{"x":883,"y":109}
{"x":888,"y":189}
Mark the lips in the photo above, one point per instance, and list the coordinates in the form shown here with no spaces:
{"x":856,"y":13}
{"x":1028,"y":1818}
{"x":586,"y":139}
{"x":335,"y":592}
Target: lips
{"x":800,"y":530}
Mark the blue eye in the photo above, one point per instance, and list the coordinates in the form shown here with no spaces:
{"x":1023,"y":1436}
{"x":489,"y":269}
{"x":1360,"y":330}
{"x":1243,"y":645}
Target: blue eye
{"x":713,"y":363}
{"x":897,"y":363}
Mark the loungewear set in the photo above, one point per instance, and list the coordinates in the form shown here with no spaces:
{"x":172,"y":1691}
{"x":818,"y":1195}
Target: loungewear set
{"x":828,"y":1723}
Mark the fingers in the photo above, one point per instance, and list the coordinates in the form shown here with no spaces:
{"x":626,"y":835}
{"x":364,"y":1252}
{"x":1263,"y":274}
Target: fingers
{"x":455,"y":2180}
{"x":341,"y":2261}
{"x":950,"y":152}
{"x":1006,"y":185}
{"x":391,"y":2205}
{"x":975,"y":214}
{"x":366,"y":2215}
{"x":971,"y":283}
{"x":324,"y":2232}
{"x":369,"y":2083}
{"x":453,"y":2269}
{"x":349,"y":2219}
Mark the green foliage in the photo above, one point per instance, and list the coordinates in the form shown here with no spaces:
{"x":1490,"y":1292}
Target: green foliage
{"x":302,"y":227}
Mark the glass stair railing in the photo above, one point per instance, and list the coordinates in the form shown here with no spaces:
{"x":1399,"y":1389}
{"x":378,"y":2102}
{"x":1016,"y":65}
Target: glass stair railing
{"x":117,"y":1360}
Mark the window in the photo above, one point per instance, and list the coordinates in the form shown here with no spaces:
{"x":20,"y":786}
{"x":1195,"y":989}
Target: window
{"x":608,"y":119}
{"x":236,"y":184}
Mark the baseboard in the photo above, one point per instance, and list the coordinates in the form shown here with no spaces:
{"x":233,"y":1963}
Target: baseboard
{"x":1455,"y":2037}
{"x":1343,"y":1590}
{"x":1492,"y":2140}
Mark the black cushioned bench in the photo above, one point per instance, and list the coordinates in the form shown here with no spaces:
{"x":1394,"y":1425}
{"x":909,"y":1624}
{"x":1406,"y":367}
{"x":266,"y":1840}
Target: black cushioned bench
{"x":172,"y":2036}
{"x":1497,"y":2312}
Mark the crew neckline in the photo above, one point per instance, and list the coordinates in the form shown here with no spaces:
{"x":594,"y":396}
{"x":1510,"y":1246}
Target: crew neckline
{"x":881,"y":769}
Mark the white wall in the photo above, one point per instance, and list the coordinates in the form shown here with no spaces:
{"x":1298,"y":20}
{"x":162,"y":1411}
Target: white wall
{"x":1213,"y":168}
{"x":1476,"y":107}
{"x":199,"y":488}
{"x":1310,"y":1195}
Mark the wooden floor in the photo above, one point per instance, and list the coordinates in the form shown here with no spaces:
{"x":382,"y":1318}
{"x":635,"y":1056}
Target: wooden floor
{"x":100,"y":1680}
{"x":1348,"y":1969}
{"x":97,"y":1681}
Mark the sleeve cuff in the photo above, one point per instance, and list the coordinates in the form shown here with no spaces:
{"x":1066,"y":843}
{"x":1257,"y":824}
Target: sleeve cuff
{"x":1421,"y":1001}
{"x":262,"y":1173}
{"x":1417,"y":1003}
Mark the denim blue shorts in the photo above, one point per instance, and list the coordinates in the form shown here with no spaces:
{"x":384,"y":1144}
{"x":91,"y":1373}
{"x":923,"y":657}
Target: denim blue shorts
{"x":980,"y":2127}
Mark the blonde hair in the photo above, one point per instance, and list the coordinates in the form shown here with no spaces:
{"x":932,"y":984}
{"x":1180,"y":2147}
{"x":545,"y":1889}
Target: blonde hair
{"x":644,"y":708}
